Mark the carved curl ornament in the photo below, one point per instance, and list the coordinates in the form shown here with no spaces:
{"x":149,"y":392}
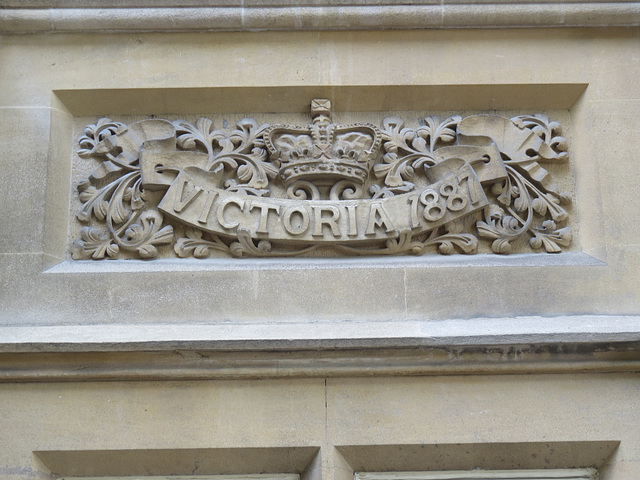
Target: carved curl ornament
{"x":283,"y":190}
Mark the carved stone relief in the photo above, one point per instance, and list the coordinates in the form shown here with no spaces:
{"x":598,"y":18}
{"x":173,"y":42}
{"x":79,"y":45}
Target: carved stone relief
{"x":355,"y":189}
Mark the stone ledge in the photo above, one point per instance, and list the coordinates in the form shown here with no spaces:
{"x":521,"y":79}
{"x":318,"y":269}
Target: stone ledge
{"x":452,"y":347}
{"x":361,"y":17}
{"x":337,"y":263}
{"x":299,"y":335}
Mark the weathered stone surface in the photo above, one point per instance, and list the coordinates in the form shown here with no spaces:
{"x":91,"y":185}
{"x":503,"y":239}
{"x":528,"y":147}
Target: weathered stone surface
{"x":23,"y":198}
{"x":444,"y":72}
{"x":492,"y":422}
{"x":450,"y":374}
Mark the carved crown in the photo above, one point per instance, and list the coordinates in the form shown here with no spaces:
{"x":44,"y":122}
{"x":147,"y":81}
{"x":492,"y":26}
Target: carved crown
{"x":323,"y":153}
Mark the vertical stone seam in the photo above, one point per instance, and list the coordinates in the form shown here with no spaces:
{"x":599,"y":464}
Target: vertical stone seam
{"x":326,"y":420}
{"x":404,"y":289}
{"x":319,"y":55}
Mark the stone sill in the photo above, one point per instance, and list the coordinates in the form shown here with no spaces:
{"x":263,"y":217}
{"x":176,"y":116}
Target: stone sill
{"x":304,"y":263}
{"x":161,"y":16}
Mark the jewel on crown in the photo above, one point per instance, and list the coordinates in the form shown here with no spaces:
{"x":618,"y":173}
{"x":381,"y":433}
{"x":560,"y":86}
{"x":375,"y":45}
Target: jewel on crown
{"x":323,"y":153}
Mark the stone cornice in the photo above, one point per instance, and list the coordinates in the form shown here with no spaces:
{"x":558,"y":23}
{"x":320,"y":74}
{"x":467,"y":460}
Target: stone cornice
{"x":356,"y":362}
{"x":156,"y":16}
{"x":229,"y":351}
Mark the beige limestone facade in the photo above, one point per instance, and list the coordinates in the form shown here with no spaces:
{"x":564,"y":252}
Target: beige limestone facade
{"x":522,"y":365}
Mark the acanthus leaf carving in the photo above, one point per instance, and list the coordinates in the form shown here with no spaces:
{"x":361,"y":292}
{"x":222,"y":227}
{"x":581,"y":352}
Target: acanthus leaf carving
{"x":241,"y":152}
{"x":119,"y":204}
{"x":194,"y":244}
{"x":283,"y":190}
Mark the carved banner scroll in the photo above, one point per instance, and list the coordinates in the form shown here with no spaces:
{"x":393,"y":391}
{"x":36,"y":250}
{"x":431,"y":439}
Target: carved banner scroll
{"x":356,"y":189}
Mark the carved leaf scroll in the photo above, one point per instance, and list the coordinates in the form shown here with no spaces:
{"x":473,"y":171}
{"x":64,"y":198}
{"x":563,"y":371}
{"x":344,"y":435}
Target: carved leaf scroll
{"x":126,"y":222}
{"x":409,"y":150}
{"x":530,"y":192}
{"x":461,"y":185}
{"x":241,"y":152}
{"x":194,"y":244}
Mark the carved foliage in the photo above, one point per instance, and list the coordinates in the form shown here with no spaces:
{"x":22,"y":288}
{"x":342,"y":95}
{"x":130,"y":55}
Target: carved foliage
{"x":409,"y":150}
{"x":460,"y":180}
{"x":113,"y":196}
{"x":529,"y":194}
{"x":241,"y":152}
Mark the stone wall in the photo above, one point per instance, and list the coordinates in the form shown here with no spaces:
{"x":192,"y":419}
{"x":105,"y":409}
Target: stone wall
{"x":317,"y":366}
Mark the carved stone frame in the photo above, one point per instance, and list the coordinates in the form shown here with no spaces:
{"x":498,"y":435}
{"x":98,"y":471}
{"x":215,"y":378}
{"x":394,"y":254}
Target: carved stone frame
{"x":76,"y":102}
{"x":70,"y":103}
